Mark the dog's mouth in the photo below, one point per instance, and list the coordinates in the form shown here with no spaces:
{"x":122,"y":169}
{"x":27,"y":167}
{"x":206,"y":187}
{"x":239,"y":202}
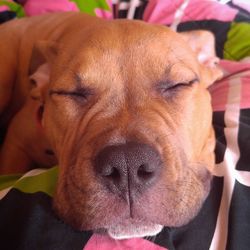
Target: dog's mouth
{"x":131,"y":228}
{"x":104,"y":211}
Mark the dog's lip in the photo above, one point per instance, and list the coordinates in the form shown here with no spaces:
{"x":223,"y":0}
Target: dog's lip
{"x":131,"y":228}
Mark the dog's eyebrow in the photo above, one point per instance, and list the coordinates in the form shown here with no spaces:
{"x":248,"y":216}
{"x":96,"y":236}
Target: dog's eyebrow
{"x":180,"y":63}
{"x":78,"y":81}
{"x":190,"y":76}
{"x":77,"y":90}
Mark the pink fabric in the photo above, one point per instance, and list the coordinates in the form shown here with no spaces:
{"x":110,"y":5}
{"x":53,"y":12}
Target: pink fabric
{"x":234,"y":71}
{"x":103,"y":13}
{"x":35,"y":7}
{"x":219,"y":91}
{"x":245,"y":92}
{"x":4,"y":8}
{"x":157,"y":11}
{"x":105,"y":243}
{"x":162,"y":12}
{"x":245,"y":4}
{"x":237,"y":80}
{"x":209,"y":9}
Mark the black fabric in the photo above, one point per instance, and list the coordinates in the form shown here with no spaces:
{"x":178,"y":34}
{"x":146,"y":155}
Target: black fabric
{"x":239,"y":226}
{"x":21,"y":1}
{"x":199,"y":232}
{"x":6,"y":16}
{"x":221,"y":144}
{"x":28,"y":222}
{"x":139,"y":11}
{"x":114,"y":10}
{"x":164,"y":238}
{"x":242,"y":17}
{"x":220,"y":30}
{"x":2,"y":135}
{"x":244,"y":140}
{"x":122,"y":14}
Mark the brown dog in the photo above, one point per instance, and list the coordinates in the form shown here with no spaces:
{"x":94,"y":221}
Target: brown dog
{"x":125,"y":109}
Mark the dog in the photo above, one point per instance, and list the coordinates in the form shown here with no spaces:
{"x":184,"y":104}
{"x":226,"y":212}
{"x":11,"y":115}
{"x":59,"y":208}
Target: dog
{"x":122,"y":106}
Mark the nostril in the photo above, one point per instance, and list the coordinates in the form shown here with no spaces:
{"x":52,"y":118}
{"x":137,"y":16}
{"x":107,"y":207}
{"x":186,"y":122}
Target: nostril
{"x":112,"y":173}
{"x":144,"y":172}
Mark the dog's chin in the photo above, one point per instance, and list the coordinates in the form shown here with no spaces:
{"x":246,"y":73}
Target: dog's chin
{"x":132,"y":229}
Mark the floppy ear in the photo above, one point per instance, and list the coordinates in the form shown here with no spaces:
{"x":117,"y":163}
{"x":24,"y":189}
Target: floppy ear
{"x":43,"y":52}
{"x":43,"y":55}
{"x":40,"y":81}
{"x":203,"y":44}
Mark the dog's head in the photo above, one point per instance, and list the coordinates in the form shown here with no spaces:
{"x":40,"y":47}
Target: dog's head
{"x":128,"y":115}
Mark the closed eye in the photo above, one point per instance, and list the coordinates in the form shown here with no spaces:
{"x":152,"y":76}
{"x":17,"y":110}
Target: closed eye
{"x":168,"y":87}
{"x":82,"y":94}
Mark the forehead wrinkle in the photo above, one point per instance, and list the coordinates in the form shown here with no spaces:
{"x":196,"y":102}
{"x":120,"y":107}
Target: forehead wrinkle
{"x":95,"y":49}
{"x":181,"y":52}
{"x":183,"y":62}
{"x":169,"y":72}
{"x":120,"y":33}
{"x":90,"y":67}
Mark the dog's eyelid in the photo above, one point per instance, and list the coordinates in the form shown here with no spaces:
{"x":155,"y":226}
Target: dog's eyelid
{"x":171,"y":84}
{"x":195,"y":80}
{"x":79,"y":92}
{"x":188,"y":83}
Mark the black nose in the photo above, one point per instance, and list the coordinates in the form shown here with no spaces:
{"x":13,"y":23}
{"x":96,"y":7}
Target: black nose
{"x":128,"y":169}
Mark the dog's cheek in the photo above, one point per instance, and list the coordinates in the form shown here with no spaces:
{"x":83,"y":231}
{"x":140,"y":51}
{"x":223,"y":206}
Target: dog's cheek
{"x":207,"y":155}
{"x":54,"y":125}
{"x":200,"y":150}
{"x":199,"y":122}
